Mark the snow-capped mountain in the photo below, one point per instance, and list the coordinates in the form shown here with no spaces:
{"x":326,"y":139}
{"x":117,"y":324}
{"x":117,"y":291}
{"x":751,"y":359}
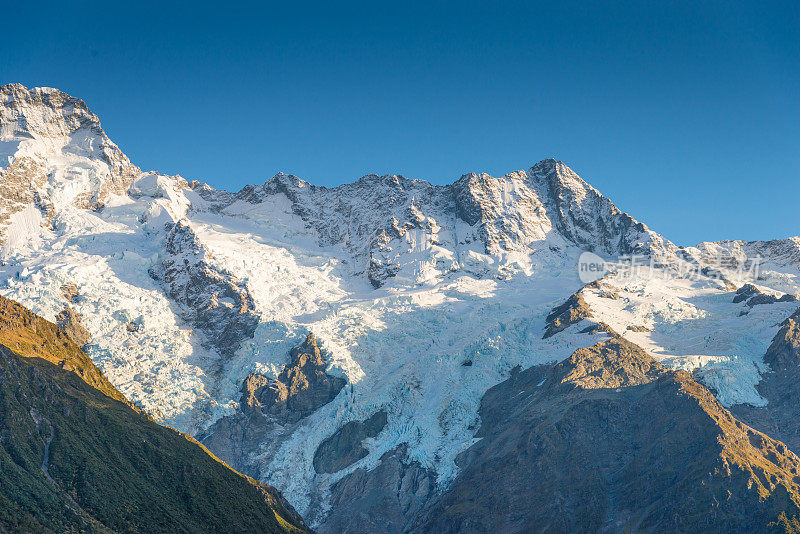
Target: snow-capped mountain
{"x":420,"y":297}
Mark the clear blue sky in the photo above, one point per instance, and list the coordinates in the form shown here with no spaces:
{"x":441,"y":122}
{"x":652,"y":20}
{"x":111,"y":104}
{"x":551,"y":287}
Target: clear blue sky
{"x":687,"y":115}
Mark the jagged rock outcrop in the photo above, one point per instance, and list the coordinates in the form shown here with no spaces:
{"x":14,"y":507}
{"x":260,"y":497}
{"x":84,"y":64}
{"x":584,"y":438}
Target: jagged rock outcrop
{"x":271,"y":409}
{"x":344,"y":447}
{"x":755,"y":296}
{"x":386,"y":222}
{"x":70,"y":292}
{"x":609,"y":440}
{"x":507,"y":212}
{"x":572,"y":311}
{"x":301,"y":388}
{"x":590,"y":220}
{"x":213,"y":301}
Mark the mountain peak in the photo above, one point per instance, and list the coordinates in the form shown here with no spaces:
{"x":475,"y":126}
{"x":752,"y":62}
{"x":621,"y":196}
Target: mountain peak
{"x":43,"y":112}
{"x":54,"y":152}
{"x":59,"y":154}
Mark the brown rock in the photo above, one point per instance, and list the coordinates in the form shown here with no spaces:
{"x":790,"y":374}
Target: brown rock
{"x":70,"y":323}
{"x":611,"y":441}
{"x":70,"y":292}
{"x":302,"y":387}
{"x":570,"y":312}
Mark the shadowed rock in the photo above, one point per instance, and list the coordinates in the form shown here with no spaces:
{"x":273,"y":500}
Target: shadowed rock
{"x":611,"y":441}
{"x":784,"y":352}
{"x":381,"y":500}
{"x":781,"y":387}
{"x":344,"y":447}
{"x":745,"y":292}
{"x":755,"y":296}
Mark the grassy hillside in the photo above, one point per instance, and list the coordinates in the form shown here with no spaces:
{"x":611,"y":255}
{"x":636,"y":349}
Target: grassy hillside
{"x":75,"y":459}
{"x":27,"y":334}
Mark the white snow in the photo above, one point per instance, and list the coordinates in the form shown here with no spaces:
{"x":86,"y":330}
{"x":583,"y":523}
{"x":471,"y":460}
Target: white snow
{"x":460,"y":292}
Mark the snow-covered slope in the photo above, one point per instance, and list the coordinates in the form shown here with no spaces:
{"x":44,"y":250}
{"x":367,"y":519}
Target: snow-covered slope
{"x":422,"y":296}
{"x":54,"y":153}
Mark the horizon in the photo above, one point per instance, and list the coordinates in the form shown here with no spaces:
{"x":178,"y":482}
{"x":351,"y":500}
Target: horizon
{"x":659,"y":109}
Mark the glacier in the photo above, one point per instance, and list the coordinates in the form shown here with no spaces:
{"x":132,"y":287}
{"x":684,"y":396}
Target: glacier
{"x":423,"y":296}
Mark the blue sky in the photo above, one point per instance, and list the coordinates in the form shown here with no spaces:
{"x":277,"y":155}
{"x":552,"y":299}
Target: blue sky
{"x":687,"y":115}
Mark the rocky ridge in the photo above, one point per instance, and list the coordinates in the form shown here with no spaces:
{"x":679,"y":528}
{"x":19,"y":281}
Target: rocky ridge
{"x":60,"y":154}
{"x":609,"y":440}
{"x":213,"y":301}
{"x":382,"y":220}
{"x":426,"y":296}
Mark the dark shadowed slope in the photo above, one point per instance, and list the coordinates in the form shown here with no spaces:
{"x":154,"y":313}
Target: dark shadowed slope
{"x":610,"y":440}
{"x":74,"y":458}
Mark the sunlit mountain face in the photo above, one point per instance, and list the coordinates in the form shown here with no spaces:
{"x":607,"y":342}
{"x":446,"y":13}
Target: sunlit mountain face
{"x":396,"y":356}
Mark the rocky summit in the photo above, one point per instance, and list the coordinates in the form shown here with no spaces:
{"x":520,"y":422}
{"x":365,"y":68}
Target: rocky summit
{"x":389,"y":354}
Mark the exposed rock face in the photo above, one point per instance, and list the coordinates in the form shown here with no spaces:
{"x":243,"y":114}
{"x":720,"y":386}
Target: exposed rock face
{"x":781,"y":387}
{"x":755,"y":296}
{"x":590,"y":220}
{"x":301,"y":388}
{"x":45,"y":122}
{"x":214,"y":301}
{"x":19,"y":186}
{"x":574,"y":310}
{"x":270,"y":409}
{"x":784,"y":352}
{"x":384,"y":499}
{"x":745,"y":292}
{"x":480,"y":201}
{"x":70,"y":323}
{"x":614,"y":363}
{"x":70,"y":292}
{"x":344,"y":447}
{"x":609,"y":440}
